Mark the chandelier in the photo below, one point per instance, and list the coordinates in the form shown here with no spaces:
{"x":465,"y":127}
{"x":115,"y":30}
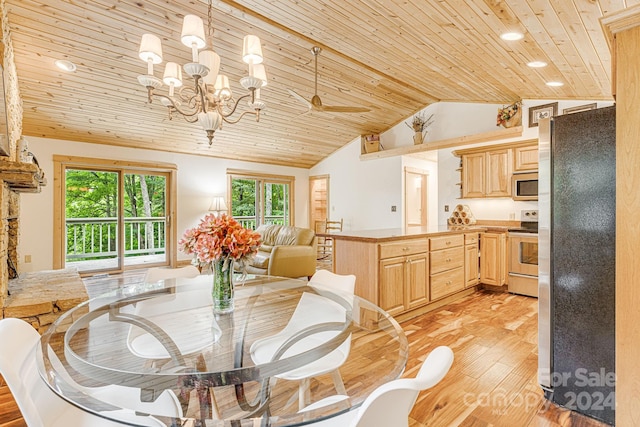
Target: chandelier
{"x":208,"y":100}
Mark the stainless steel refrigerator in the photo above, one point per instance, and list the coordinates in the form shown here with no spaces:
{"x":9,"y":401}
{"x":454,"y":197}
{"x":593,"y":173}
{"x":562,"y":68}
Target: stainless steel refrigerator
{"x":576,"y":284}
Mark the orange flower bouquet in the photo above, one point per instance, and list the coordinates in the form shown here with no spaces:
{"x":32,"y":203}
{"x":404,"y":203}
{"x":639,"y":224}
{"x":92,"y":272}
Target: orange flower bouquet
{"x":221,"y":241}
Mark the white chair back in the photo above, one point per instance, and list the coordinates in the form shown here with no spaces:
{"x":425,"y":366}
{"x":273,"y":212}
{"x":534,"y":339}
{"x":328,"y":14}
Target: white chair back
{"x":337,"y":282}
{"x":162,"y":273}
{"x":39,"y":405}
{"x":391,"y":403}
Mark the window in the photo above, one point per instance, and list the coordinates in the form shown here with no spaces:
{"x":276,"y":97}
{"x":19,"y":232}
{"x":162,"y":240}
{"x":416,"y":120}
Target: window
{"x":111,"y":215}
{"x":258,"y":199}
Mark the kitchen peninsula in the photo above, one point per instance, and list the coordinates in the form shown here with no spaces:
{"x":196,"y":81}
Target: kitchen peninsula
{"x":410,"y":271}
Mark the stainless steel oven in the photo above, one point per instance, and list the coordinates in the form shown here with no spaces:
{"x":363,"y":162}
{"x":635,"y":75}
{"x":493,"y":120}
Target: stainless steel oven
{"x":523,"y":256}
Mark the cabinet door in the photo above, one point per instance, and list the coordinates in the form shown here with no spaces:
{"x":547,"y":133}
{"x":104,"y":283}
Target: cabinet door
{"x":392,"y":284}
{"x":417,"y":280}
{"x":498,"y":173}
{"x":473,"y":175}
{"x":471,"y":265}
{"x":525,"y":158}
{"x":491,"y":264}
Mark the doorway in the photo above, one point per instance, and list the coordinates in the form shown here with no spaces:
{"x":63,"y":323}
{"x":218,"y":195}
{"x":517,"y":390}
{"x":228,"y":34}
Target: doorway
{"x":111,"y":218}
{"x":415,"y":197}
{"x":318,"y":202}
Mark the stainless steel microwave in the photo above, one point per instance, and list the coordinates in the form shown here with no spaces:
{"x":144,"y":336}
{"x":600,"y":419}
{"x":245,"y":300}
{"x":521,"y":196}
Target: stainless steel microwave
{"x":525,"y":186}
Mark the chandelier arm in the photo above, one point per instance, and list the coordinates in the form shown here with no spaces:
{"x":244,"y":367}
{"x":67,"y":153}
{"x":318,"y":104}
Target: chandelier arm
{"x":255,"y":113}
{"x":233,"y":110}
{"x":177,"y":108}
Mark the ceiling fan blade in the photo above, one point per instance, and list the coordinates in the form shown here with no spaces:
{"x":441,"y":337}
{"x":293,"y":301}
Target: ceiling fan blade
{"x":300,"y":98}
{"x":343,"y":109}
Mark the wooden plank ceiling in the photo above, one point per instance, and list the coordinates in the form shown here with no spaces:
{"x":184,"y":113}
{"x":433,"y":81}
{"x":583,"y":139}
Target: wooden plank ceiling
{"x":392,"y":56}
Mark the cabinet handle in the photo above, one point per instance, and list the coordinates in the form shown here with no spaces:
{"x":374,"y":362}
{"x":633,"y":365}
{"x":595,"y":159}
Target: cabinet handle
{"x":448,"y":260}
{"x":405,"y":249}
{"x":448,"y":283}
{"x":448,"y":242}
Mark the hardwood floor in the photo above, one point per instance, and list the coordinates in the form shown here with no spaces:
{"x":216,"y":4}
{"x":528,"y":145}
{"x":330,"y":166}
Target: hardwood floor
{"x":493,"y":380}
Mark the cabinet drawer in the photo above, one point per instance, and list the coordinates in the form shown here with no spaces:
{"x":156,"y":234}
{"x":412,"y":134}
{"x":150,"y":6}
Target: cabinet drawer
{"x":446,"y":259}
{"x":447,"y":283}
{"x":471,"y":238}
{"x":403,"y":247}
{"x":446,"y":242}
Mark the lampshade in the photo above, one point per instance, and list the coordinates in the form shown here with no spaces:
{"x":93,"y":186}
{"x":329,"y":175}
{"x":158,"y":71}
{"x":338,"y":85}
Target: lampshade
{"x":222,"y":86}
{"x":251,"y":50}
{"x":193,"y":31}
{"x":260,"y":72}
{"x":218,"y":204}
{"x":211,"y":60}
{"x":150,"y":49}
{"x":172,"y":74}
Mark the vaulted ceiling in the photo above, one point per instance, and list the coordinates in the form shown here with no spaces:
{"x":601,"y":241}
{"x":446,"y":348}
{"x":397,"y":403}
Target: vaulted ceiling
{"x":392,"y":56}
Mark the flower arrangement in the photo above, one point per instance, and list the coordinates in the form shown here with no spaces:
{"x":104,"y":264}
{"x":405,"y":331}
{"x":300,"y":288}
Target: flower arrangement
{"x":507,"y":113}
{"x":420,"y":122}
{"x":219,"y":238}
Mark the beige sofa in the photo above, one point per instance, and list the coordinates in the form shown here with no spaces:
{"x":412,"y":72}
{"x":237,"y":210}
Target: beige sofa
{"x":285,"y":251}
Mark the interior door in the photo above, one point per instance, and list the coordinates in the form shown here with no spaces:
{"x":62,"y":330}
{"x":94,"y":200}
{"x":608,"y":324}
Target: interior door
{"x":318,"y":202}
{"x":415,"y":197}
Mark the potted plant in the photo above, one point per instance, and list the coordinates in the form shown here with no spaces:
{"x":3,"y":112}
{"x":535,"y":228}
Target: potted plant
{"x":419,"y":123}
{"x":510,"y":116}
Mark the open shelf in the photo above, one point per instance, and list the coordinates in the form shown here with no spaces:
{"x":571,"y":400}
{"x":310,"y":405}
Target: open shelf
{"x":446,"y":143}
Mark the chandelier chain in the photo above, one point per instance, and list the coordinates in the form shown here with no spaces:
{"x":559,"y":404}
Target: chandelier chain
{"x":210,"y":22}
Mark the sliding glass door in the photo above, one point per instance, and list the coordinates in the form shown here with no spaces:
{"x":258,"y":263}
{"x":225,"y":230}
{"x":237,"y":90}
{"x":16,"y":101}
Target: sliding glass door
{"x":261,"y":199}
{"x":114,"y":218}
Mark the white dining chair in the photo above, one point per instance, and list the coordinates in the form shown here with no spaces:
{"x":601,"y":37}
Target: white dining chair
{"x":155,"y":274}
{"x":312,"y":310}
{"x":39,"y":405}
{"x":189,"y":338}
{"x":390,"y":404}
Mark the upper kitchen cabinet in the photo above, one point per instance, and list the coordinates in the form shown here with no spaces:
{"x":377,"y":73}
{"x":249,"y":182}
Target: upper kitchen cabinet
{"x":525,"y":159}
{"x":487,"y":171}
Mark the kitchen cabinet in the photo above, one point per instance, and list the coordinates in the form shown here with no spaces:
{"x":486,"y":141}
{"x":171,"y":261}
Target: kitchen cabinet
{"x":446,"y":265}
{"x":404,"y":275}
{"x":525,"y":159}
{"x":493,"y":258}
{"x":487,"y":174}
{"x":471,"y":261}
{"x":487,"y":171}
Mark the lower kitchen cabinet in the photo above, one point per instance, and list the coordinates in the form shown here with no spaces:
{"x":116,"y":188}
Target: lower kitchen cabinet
{"x":493,"y":258}
{"x":447,"y":265}
{"x":471,"y":261}
{"x":404,"y":280}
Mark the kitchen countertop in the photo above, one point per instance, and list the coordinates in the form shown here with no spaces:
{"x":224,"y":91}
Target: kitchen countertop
{"x":387,"y":234}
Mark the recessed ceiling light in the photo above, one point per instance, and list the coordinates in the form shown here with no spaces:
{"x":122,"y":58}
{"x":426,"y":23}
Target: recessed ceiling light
{"x":512,"y":36}
{"x":555,"y":84}
{"x":537,"y":64}
{"x":65,"y":65}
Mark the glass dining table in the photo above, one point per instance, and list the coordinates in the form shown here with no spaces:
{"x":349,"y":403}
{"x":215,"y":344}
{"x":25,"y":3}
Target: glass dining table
{"x":152,"y":339}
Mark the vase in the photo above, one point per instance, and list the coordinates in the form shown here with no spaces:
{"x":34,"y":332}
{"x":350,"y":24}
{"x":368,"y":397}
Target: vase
{"x":516,"y":120}
{"x":222,"y":290}
{"x":418,"y":138}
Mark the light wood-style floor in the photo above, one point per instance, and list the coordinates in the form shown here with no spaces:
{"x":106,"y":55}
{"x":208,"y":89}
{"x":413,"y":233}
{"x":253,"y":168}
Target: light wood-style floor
{"x":493,"y":381}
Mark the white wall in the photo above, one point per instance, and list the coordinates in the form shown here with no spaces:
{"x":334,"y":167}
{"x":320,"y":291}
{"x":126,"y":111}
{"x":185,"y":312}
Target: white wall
{"x":199,"y":178}
{"x":362,"y":192}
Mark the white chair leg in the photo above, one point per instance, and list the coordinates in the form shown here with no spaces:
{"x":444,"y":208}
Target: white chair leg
{"x":304,"y":393}
{"x":337,"y":381}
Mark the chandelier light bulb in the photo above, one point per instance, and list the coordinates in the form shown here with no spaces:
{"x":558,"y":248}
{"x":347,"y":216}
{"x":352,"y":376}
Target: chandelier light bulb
{"x":193,"y":35}
{"x":261,"y":73}
{"x":211,"y":60}
{"x":251,"y":50}
{"x":172,"y":74}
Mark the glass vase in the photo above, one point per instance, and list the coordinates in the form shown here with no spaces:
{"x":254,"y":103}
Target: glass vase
{"x":222,"y":290}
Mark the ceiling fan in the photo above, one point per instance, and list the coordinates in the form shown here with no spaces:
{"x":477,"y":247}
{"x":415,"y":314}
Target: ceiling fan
{"x":316,"y":103}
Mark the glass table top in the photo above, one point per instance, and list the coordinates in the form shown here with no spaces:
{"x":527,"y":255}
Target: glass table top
{"x":151,"y":341}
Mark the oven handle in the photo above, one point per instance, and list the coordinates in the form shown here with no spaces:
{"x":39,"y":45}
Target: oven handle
{"x":526,"y":276}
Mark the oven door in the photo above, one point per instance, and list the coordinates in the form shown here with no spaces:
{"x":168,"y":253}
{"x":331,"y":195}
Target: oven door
{"x":523,"y":254}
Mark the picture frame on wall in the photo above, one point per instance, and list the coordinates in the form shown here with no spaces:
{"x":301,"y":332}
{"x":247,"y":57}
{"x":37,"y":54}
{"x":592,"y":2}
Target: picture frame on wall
{"x":542,"y":112}
{"x":580,"y":108}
